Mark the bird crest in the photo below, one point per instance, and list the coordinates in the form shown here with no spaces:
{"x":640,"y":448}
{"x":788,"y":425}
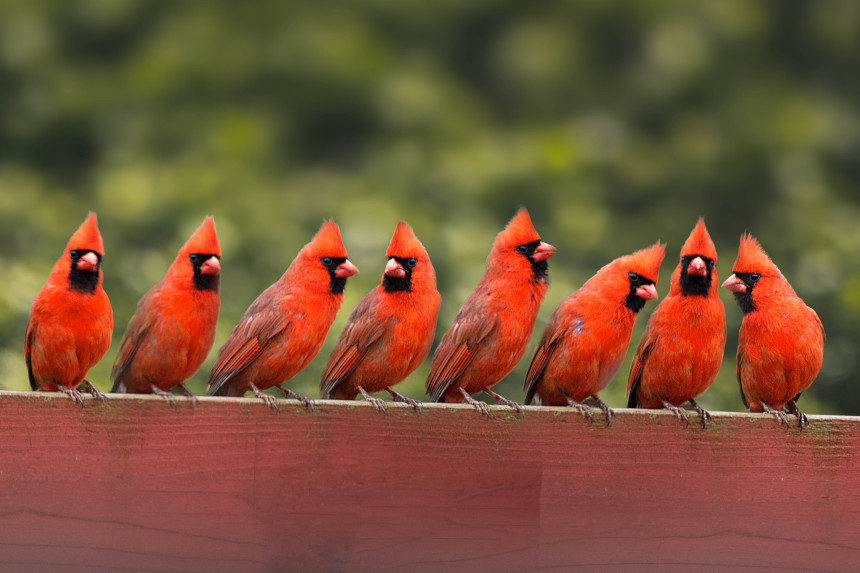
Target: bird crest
{"x":518,"y":231}
{"x":699,"y":242}
{"x":404,"y":243}
{"x":204,"y":240}
{"x":326,"y":243}
{"x":752,"y":258}
{"x":87,"y":237}
{"x":647,"y":261}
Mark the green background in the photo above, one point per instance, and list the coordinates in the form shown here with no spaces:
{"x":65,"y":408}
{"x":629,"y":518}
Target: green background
{"x":615,"y":123}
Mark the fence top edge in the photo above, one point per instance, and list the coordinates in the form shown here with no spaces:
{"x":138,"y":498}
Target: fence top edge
{"x":436,"y":407}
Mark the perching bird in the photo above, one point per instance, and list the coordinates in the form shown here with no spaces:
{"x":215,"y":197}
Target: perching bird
{"x":682,"y":348}
{"x":587,"y":337}
{"x":390,"y":332}
{"x":173,"y":327}
{"x":492,"y":328}
{"x":781,"y":344}
{"x":286,"y":326}
{"x":71,"y":321}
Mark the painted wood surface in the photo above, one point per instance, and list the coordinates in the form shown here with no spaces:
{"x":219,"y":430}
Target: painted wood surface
{"x":228,"y":485}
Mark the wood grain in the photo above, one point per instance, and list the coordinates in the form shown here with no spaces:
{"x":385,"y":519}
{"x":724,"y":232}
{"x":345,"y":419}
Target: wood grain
{"x":228,"y":485}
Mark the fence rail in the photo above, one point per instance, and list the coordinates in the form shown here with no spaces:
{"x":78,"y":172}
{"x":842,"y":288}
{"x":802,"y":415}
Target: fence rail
{"x":228,"y":484}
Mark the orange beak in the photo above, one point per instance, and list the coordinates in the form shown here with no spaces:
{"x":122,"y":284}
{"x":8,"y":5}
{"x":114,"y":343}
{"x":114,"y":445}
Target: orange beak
{"x":734,"y":284}
{"x":647,"y":292}
{"x":394,"y":269}
{"x":697,"y":267}
{"x":345,"y":269}
{"x":543,"y":252}
{"x":212,"y":266}
{"x":89,"y":262}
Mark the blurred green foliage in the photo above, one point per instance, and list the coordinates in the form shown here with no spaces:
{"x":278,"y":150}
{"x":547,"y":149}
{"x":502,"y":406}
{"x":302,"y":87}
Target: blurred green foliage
{"x":615,"y":123}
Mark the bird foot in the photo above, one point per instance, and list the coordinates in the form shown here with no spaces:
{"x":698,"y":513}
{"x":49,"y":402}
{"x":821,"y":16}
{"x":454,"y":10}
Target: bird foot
{"x":477,"y":404}
{"x":802,"y":420}
{"x":505,"y":402}
{"x":377,"y":403}
{"x":605,"y":407}
{"x":188,"y":394}
{"x":779,"y":415}
{"x":95,"y":392}
{"x":309,"y":404}
{"x":706,"y":416}
{"x":583,"y":409}
{"x":163,"y":394}
{"x":268,"y":400}
{"x":680,"y":412}
{"x":398,"y":397}
{"x":72,"y":393}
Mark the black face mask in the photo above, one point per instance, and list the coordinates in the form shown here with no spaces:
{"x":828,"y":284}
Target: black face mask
{"x":539,"y":268}
{"x":336,"y":283}
{"x":632,"y":301}
{"x":83,"y":280}
{"x":201,"y":281}
{"x":695,"y":284}
{"x":745,"y":300}
{"x":404,"y":283}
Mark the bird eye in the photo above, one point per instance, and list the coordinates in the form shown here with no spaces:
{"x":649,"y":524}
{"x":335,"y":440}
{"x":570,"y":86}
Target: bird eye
{"x":754,"y":277}
{"x":75,"y":253}
{"x":522,"y":249}
{"x":326,"y":261}
{"x":194,"y":258}
{"x":411,"y":262}
{"x":632,"y":276}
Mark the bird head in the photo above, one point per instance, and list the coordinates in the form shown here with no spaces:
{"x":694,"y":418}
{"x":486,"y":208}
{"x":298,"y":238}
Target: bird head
{"x":696,"y":273}
{"x":754,"y":276}
{"x":519,"y":249}
{"x":408,"y":262}
{"x":82,"y":257}
{"x":324,"y":261}
{"x":638,"y":274}
{"x":198,"y":263}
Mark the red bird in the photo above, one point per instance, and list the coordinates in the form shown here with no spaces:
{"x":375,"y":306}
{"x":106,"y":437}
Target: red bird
{"x":173,"y":328}
{"x":781,"y":344}
{"x":587,"y":337}
{"x":493,"y":327}
{"x":286,"y":326}
{"x":390,"y":332}
{"x":682,"y":348}
{"x":71,"y":321}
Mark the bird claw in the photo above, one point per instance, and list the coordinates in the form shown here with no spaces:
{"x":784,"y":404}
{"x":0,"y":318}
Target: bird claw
{"x":309,"y":404}
{"x":680,"y":412}
{"x":95,"y":392}
{"x":377,"y":403}
{"x":518,"y":408}
{"x":477,"y":404}
{"x":583,"y":409}
{"x":605,"y":407}
{"x":706,"y":416}
{"x":792,"y":408}
{"x":397,"y":397}
{"x":269,"y":401}
{"x":72,"y":393}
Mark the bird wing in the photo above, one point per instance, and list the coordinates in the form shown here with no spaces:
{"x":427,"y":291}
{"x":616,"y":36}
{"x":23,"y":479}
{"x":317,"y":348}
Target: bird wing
{"x":471,"y":327}
{"x":28,"y":349}
{"x":138,"y":329}
{"x":361,"y":332}
{"x":554,"y":334}
{"x":261,"y":323}
{"x":638,"y":366}
{"x":740,"y":362}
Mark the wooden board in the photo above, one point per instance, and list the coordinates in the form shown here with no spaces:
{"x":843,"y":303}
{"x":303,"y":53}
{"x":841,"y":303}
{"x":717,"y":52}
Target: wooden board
{"x":228,"y":485}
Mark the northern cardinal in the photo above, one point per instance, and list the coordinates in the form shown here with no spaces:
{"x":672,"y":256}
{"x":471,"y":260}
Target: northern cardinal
{"x":492,"y":328}
{"x":587,"y":337}
{"x":682,"y":348}
{"x":173,"y":327}
{"x":390,"y":332}
{"x":781,"y":344}
{"x":286,"y":326}
{"x":71,"y":320}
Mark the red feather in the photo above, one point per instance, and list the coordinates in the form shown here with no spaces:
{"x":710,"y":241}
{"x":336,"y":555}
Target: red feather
{"x":70,"y":326}
{"x":173,"y":328}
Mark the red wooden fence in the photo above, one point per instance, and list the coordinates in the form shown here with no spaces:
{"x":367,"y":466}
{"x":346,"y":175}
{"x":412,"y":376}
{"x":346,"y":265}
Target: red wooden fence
{"x":228,"y":485}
